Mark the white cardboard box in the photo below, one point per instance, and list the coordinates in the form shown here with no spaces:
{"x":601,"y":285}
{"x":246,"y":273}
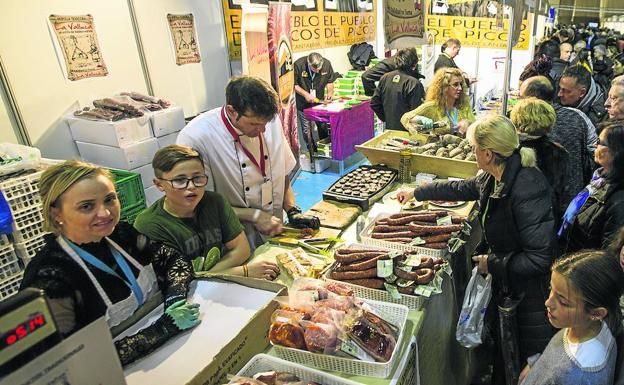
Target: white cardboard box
{"x":152,"y":194}
{"x":125,"y":158}
{"x":167,"y":121}
{"x":117,"y":134}
{"x":147,"y":175}
{"x":166,"y":140}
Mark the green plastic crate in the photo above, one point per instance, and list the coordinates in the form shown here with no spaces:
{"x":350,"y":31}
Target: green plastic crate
{"x":129,"y":214}
{"x":129,"y":188}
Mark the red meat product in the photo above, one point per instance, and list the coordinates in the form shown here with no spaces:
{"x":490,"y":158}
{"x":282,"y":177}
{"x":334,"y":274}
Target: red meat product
{"x":340,"y":275}
{"x":398,"y":234}
{"x":339,"y":289}
{"x":287,"y":334}
{"x":320,"y":338}
{"x":420,"y":276}
{"x":370,"y":338}
{"x":433,"y":229}
{"x":354,"y":257}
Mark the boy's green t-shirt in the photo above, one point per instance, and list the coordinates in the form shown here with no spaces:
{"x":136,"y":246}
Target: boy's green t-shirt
{"x":213,"y":225}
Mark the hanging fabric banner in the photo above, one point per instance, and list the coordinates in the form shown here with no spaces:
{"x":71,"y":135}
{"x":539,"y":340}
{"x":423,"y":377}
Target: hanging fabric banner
{"x":78,"y":41}
{"x":254,"y":42}
{"x":282,"y":73}
{"x":315,"y":23}
{"x":474,"y":23}
{"x":184,"y":38}
{"x":404,"y":23}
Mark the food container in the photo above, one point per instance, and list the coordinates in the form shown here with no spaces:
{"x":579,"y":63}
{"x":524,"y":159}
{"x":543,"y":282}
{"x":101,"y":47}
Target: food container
{"x":397,"y":315}
{"x":443,"y":167}
{"x":342,"y":191}
{"x":368,"y":240}
{"x":264,"y":363}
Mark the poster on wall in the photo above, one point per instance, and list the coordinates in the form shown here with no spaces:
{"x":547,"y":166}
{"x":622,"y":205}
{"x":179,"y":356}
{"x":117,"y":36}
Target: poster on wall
{"x":255,"y":43}
{"x":282,"y":72}
{"x":404,"y":23}
{"x":315,"y":23}
{"x":184,"y":38}
{"x":474,"y":23}
{"x":78,"y":41}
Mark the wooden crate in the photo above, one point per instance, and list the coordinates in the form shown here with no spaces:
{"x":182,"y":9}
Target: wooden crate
{"x":442,"y":167}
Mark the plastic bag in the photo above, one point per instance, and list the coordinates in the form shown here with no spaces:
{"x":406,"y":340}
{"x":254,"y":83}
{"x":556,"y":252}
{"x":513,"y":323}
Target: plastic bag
{"x":16,"y":157}
{"x":472,"y":316}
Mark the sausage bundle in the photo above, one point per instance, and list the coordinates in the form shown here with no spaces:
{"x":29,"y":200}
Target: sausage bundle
{"x":359,"y":267}
{"x":406,"y":227}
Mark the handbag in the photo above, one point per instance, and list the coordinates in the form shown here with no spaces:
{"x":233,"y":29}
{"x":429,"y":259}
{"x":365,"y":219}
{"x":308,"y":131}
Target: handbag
{"x":472,"y":316}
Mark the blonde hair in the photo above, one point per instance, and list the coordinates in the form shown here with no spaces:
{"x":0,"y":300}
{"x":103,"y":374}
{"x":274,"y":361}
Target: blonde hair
{"x":59,"y":178}
{"x":498,"y":134}
{"x":440,"y":84}
{"x":533,"y":117}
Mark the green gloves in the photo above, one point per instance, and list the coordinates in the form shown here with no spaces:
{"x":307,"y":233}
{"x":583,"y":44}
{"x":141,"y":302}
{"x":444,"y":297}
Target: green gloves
{"x":206,"y":263}
{"x":185,"y":315}
{"x":423,"y":121}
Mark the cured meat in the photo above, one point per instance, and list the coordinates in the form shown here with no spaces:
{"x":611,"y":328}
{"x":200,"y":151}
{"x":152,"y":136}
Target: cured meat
{"x":420,"y":276}
{"x":354,"y":257}
{"x":421,"y":230}
{"x":398,"y":234}
{"x":370,"y":338}
{"x":147,"y":99}
{"x":339,"y":289}
{"x":287,"y":334}
{"x":319,"y":337}
{"x":389,"y":229}
{"x":372,"y":283}
{"x":340,"y":275}
{"x":359,"y":266}
{"x":437,"y":238}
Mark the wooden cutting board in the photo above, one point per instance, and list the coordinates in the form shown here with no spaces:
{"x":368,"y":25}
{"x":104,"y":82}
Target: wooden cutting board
{"x":291,"y":236}
{"x":335,"y":214}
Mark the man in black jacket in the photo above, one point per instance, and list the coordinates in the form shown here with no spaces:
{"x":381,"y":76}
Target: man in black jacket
{"x":578,"y":89}
{"x":398,"y":92}
{"x":372,"y":75}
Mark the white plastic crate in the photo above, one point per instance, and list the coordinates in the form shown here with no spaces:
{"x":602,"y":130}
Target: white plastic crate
{"x":10,"y":285}
{"x":397,"y":315}
{"x":369,"y":241}
{"x":22,"y":192}
{"x":28,"y":249}
{"x":4,"y":240}
{"x":28,"y":217}
{"x":261,"y":363}
{"x":29,"y":232}
{"x":7,"y":254}
{"x":414,"y":302}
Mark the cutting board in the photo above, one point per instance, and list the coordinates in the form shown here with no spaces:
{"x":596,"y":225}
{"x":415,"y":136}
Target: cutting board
{"x":335,"y":214}
{"x":291,"y":236}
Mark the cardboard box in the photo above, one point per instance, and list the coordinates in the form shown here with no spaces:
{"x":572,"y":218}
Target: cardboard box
{"x":147,"y":175}
{"x":166,"y":140}
{"x":167,"y":121}
{"x":124,"y":158}
{"x":152,"y":194}
{"x":117,"y":134}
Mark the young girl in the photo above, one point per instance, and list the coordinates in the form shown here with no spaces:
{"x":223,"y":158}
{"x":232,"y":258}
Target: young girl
{"x":584,"y":304}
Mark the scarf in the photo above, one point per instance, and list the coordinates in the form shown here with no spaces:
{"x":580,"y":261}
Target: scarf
{"x":569,"y":216}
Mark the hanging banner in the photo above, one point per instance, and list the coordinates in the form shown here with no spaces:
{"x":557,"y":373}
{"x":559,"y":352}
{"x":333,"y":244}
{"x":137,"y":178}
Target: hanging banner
{"x":184,"y":38}
{"x":404,"y":23}
{"x":255,"y":44}
{"x":474,"y":23}
{"x":78,"y":41}
{"x":282,"y":73}
{"x":315,"y":23}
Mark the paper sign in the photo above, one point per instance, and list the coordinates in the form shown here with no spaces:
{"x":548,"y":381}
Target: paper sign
{"x":184,"y":38}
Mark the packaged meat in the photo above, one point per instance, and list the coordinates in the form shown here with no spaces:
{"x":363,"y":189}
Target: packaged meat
{"x":372,"y":339}
{"x":284,"y":332}
{"x":319,"y":337}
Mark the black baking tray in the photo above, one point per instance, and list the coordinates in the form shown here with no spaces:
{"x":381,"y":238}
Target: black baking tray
{"x":363,"y":186}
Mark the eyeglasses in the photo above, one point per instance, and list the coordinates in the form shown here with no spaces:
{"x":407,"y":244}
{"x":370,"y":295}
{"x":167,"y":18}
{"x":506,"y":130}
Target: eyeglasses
{"x":182,"y":183}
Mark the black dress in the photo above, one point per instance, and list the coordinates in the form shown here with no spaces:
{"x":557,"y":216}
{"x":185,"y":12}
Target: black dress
{"x":72,"y":294}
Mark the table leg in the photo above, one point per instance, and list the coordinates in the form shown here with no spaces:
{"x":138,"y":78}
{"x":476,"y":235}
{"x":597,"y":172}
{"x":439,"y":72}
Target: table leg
{"x":341,"y":167}
{"x":311,"y":126}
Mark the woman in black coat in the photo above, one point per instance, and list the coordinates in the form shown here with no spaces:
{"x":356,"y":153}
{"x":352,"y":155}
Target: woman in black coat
{"x":519,"y":229}
{"x":597,"y":213}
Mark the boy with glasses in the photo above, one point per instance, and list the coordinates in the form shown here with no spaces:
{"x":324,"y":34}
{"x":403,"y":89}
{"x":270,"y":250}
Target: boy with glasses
{"x":200,"y":224}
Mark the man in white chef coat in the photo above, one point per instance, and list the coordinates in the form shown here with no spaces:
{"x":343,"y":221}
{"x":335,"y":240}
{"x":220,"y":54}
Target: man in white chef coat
{"x":247,"y":158}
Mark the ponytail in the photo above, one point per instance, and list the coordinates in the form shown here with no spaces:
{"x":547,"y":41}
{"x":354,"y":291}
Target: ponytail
{"x":527,"y":157}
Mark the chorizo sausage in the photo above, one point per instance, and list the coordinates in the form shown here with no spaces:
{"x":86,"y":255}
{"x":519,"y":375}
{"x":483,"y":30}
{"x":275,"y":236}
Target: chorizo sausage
{"x":457,"y":219}
{"x":389,"y":229}
{"x":372,"y":283}
{"x":438,"y":238}
{"x":437,"y":245}
{"x":398,"y":234}
{"x":354,"y":257}
{"x":421,"y":230}
{"x":342,"y":275}
{"x":399,"y":240}
{"x":359,"y":266}
{"x":415,"y":217}
{"x":420,"y":276}
{"x":425,"y":261}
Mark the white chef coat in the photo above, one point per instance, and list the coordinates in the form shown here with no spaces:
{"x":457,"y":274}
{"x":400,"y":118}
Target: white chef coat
{"x":231,"y":173}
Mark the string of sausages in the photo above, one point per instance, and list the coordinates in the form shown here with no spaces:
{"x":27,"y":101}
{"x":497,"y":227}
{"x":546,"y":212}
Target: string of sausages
{"x":404,"y":227}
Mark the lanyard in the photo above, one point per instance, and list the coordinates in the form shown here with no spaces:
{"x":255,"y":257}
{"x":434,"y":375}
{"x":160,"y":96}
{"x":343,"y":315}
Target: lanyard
{"x":312,"y":75}
{"x":453,"y":119}
{"x":131,"y":281}
{"x":262,"y":165}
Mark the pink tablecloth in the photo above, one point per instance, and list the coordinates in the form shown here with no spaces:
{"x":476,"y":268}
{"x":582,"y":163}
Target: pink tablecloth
{"x":348,"y":127}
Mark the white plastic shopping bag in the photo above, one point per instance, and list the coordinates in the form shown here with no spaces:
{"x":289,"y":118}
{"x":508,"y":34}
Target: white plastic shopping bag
{"x":476,"y":299}
{"x":17,"y":157}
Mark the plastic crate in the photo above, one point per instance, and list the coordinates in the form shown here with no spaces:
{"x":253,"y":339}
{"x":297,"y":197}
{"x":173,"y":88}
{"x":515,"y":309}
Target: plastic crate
{"x":129,"y":214}
{"x":397,"y":315}
{"x":28,"y":249}
{"x":7,"y":255}
{"x":129,"y":188}
{"x":22,"y":192}
{"x":261,"y":363}
{"x":380,"y":243}
{"x":29,"y":232}
{"x":28,"y":217}
{"x":413,"y":302}
{"x":10,"y":285}
{"x":4,"y":240}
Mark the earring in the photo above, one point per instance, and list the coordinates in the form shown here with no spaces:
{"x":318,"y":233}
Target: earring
{"x":60,"y":223}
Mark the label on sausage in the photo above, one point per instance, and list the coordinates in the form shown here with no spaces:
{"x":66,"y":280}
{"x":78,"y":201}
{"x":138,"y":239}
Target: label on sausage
{"x":385,"y":267}
{"x":350,"y":348}
{"x":394,"y":253}
{"x":443,"y":221}
{"x":424,"y":290}
{"x":393,"y":291}
{"x":412,"y":260}
{"x":406,"y":268}
{"x":391,"y":278}
{"x":404,"y":282}
{"x":417,"y":241}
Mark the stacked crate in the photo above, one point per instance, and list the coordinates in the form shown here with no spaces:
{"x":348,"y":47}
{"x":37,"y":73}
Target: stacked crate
{"x":350,"y":85}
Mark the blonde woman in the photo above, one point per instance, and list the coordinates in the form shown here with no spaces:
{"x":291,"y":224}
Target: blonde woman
{"x":446,"y":100}
{"x":534,"y":119}
{"x":519,"y":242}
{"x":94,"y":266}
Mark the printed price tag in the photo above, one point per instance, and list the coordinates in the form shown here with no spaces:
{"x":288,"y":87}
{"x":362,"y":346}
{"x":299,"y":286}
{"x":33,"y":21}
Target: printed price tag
{"x":391,"y":278}
{"x":417,"y":241}
{"x":393,"y":291}
{"x":406,"y":268}
{"x":423,"y":290}
{"x":385,"y":268}
{"x":443,"y":221}
{"x":403,"y":282}
{"x":413,"y":260}
{"x":394,"y":253}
